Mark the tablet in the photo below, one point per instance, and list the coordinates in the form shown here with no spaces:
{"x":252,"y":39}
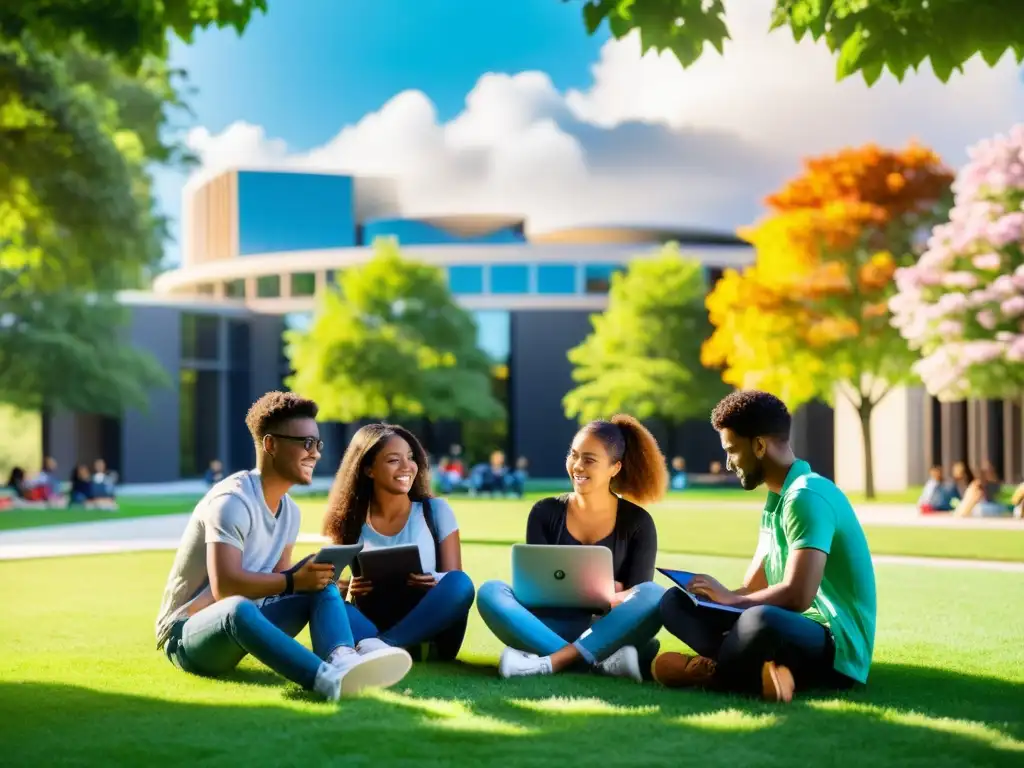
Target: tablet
{"x":339,"y":555}
{"x":390,"y":563}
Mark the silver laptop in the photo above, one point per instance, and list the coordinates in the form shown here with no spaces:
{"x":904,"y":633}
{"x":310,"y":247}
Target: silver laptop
{"x":563,"y":576}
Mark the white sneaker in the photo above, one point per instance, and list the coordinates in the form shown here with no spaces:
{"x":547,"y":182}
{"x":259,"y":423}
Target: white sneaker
{"x":371,"y":644}
{"x":625,"y":662}
{"x":355,"y":671}
{"x":515,"y":663}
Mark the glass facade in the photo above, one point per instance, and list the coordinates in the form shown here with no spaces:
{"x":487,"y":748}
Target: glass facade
{"x":279,"y":212}
{"x":303,"y":284}
{"x":268,"y":287}
{"x":198,"y":420}
{"x":510,"y":278}
{"x":466,"y":279}
{"x":200,"y":337}
{"x":597,"y":278}
{"x":556,"y":278}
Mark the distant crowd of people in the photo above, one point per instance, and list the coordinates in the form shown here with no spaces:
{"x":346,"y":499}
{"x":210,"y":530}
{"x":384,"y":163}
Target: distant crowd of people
{"x":93,"y":488}
{"x":967,"y":494}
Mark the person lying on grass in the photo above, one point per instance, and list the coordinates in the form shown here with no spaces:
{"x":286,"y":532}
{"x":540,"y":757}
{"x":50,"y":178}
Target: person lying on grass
{"x":381,"y":497}
{"x":614,"y":465}
{"x":232,"y":590}
{"x":809,"y":594}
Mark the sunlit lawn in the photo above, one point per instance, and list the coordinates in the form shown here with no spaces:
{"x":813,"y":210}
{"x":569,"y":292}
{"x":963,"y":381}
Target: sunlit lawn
{"x":81,"y":683}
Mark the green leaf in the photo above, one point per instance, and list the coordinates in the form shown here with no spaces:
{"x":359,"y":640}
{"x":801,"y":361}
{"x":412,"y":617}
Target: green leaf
{"x":594,"y":13}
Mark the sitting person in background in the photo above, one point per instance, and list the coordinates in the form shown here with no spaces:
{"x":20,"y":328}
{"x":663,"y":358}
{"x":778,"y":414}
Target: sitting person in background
{"x":982,"y":496}
{"x":937,"y":495}
{"x":1018,"y":502}
{"x":679,"y":478}
{"x":214,"y":473}
{"x":103,"y":480}
{"x":24,"y":494}
{"x":381,"y":498}
{"x":962,"y":479}
{"x":50,"y":485}
{"x":85,"y":492}
{"x":450,"y":474}
{"x":517,"y":479}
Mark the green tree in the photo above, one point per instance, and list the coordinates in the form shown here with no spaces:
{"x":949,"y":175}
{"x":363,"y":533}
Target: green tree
{"x":643,"y":356}
{"x":392,"y":343}
{"x":85,"y":98}
{"x":868,"y":36}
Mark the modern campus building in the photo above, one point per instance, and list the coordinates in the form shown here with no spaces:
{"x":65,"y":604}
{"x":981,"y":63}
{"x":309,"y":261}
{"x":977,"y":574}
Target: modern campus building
{"x":259,"y":248}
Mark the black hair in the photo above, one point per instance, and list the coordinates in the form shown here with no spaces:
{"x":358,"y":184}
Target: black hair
{"x":751,"y":413}
{"x":275,"y":408}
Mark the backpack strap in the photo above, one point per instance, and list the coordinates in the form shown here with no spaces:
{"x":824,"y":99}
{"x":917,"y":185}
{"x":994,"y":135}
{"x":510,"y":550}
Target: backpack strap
{"x":428,"y":517}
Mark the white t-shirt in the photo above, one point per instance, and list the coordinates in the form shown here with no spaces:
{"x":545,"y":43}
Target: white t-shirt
{"x":416,"y":532}
{"x":233,"y":512}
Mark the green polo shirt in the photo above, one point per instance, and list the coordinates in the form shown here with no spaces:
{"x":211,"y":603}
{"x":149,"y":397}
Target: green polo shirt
{"x":811,"y":512}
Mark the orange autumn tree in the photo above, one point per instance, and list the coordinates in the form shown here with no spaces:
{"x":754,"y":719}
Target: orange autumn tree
{"x":810,"y":319}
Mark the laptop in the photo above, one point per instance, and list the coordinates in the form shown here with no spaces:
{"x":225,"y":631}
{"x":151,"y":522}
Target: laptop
{"x":563,"y":576}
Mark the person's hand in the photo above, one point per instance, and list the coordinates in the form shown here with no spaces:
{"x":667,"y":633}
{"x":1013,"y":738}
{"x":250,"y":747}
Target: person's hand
{"x":422,"y":580}
{"x":359,"y":586}
{"x":711,"y":589}
{"x":312,"y":577}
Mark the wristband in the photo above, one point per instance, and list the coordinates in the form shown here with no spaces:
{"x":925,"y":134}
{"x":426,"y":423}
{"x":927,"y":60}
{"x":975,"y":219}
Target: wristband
{"x":289,"y":583}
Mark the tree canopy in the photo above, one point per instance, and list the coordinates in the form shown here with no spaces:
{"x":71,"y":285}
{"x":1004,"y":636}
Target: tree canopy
{"x":390,"y":342}
{"x":810,"y":317}
{"x":643,"y":356}
{"x":867,"y":36}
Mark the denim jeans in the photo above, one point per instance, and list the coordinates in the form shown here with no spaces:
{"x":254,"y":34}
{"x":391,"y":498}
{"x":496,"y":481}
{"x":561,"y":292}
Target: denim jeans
{"x":218,"y":637}
{"x":742,"y":644}
{"x":438,"y":618}
{"x":634,"y":622}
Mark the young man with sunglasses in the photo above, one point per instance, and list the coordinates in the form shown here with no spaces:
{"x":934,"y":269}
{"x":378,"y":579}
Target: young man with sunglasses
{"x":233,"y":591}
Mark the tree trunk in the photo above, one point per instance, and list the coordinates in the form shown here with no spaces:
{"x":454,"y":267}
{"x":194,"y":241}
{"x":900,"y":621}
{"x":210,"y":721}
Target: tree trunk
{"x":865,"y":409}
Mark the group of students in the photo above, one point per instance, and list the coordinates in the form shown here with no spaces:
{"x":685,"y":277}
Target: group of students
{"x":807,"y":605}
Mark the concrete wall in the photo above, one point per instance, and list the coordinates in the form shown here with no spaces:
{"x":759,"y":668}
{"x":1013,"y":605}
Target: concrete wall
{"x":898,"y":434}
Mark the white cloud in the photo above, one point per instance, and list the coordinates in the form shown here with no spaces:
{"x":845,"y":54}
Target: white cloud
{"x":648,"y":142}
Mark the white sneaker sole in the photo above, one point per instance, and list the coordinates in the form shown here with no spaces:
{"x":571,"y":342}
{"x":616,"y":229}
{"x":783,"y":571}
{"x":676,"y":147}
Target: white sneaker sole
{"x":377,"y":669}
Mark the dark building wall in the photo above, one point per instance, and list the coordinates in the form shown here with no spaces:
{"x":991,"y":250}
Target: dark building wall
{"x":150,"y":438}
{"x":539,"y":376}
{"x":813,"y":437}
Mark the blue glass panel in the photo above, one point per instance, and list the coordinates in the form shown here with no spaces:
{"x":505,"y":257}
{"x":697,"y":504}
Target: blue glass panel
{"x":556,"y":278}
{"x":598,"y":277}
{"x":466,"y":279}
{"x":294,"y":212}
{"x":413,"y":232}
{"x":510,"y":278}
{"x":494,"y":333}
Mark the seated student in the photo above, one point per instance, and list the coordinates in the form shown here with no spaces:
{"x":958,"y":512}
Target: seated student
{"x":937,"y":494}
{"x":1018,"y":502}
{"x":809,"y":594}
{"x":613,"y":466}
{"x":679,"y":478}
{"x":232,"y":590}
{"x":381,"y":497}
{"x":24,"y":494}
{"x":981,"y":498}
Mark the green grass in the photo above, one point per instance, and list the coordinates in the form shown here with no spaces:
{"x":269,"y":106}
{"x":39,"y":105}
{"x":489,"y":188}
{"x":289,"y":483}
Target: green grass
{"x":13,"y":519}
{"x":81,"y":684}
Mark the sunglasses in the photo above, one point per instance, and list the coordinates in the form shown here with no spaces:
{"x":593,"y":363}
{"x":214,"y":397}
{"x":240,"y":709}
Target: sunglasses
{"x":307,"y":442}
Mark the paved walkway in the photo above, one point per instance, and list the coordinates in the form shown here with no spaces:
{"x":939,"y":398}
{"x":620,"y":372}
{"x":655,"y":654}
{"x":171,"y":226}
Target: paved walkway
{"x":163,"y":532}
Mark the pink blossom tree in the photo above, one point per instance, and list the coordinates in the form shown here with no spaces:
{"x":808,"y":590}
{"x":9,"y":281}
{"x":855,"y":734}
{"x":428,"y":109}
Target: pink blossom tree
{"x":962,"y":304}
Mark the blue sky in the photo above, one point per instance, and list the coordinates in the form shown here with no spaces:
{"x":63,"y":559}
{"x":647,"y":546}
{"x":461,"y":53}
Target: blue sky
{"x":510,"y":107}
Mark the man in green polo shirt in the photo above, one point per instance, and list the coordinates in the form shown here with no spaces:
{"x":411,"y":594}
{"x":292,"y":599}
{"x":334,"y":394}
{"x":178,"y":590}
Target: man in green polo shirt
{"x":807,"y":617}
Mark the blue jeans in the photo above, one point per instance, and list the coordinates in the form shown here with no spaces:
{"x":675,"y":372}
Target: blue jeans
{"x":438,"y":618}
{"x":634,"y":622}
{"x":218,"y":637}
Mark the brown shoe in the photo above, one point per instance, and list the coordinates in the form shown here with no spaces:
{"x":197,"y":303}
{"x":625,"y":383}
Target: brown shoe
{"x":677,"y":670}
{"x":776,"y":682}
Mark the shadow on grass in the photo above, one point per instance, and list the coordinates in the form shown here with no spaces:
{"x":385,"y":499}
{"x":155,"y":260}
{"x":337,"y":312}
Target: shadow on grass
{"x":446,"y":712}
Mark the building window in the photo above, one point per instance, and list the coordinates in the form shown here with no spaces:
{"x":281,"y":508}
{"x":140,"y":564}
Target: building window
{"x":303,"y":284}
{"x":268,"y":287}
{"x":199,"y":336}
{"x":239,"y":342}
{"x":466,"y":279}
{"x":199,"y":420}
{"x":510,"y":278}
{"x":556,"y":278}
{"x":204,"y":289}
{"x":234,"y":289}
{"x":598,"y":277}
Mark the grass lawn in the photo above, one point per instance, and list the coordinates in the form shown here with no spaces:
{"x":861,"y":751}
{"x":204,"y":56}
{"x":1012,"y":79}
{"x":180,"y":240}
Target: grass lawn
{"x":81,"y":684}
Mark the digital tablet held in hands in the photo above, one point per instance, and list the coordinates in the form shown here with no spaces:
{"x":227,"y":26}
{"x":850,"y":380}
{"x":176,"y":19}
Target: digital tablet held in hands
{"x":390,"y":563}
{"x":339,"y":555}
